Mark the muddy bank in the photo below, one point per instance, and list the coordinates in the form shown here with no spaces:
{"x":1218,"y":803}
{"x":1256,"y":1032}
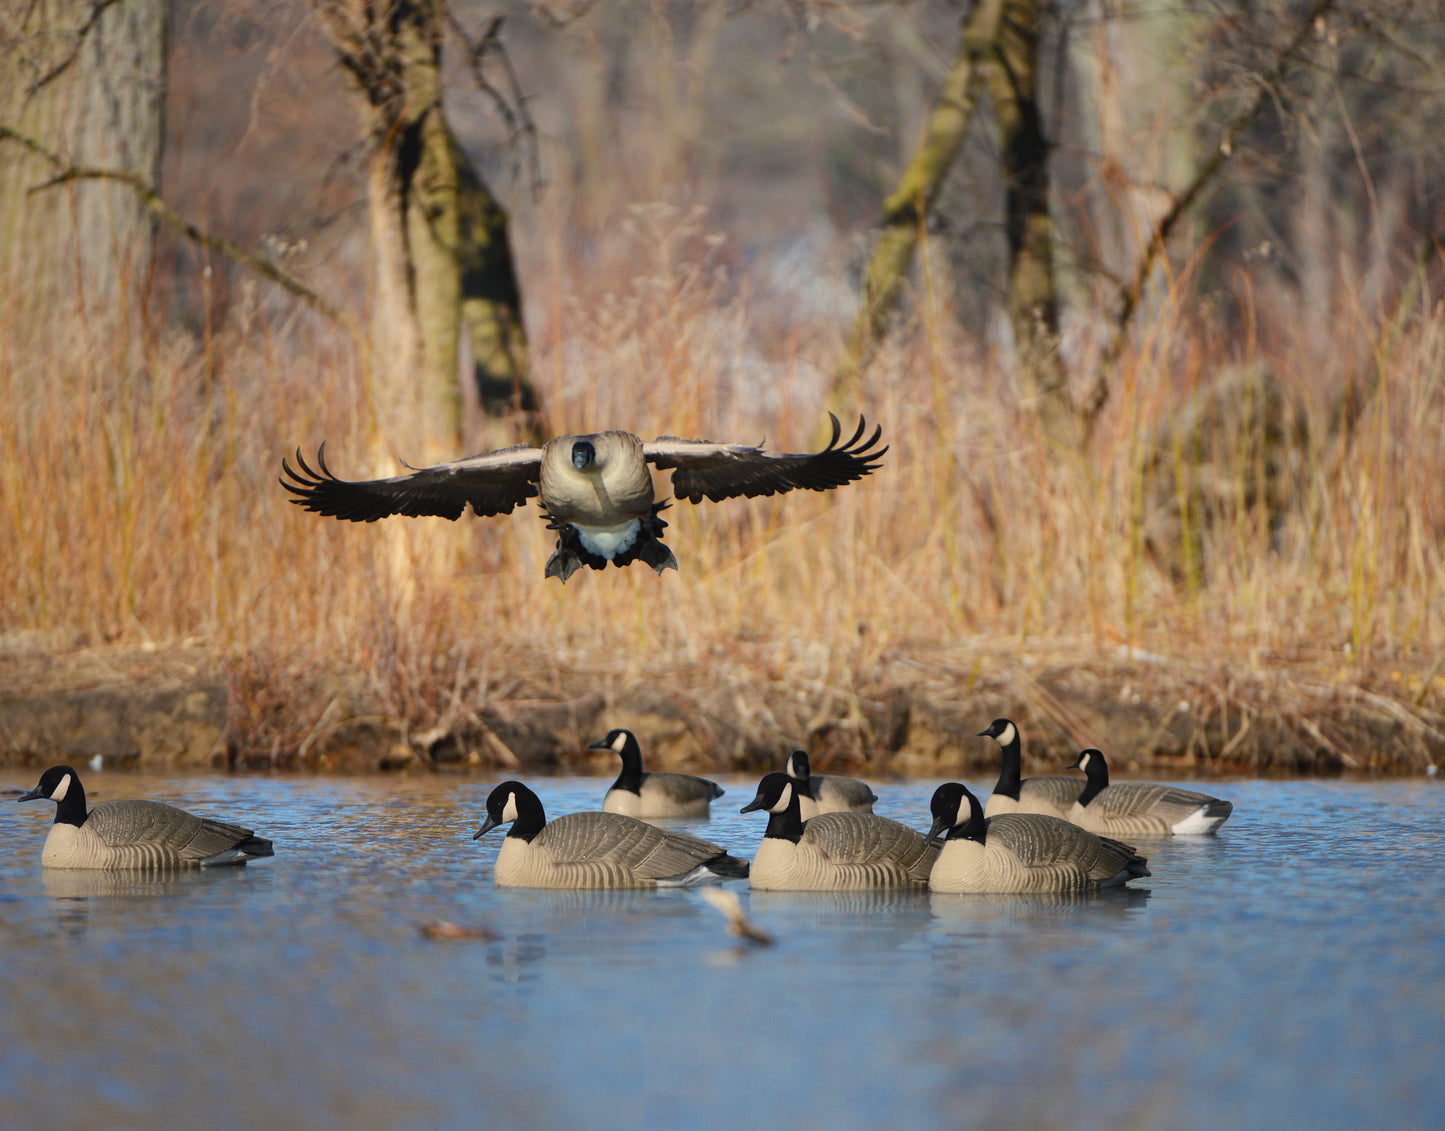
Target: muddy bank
{"x":908,"y":715}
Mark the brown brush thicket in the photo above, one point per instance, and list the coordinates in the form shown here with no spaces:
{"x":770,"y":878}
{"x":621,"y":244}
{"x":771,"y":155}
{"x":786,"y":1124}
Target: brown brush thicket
{"x":1240,"y":570}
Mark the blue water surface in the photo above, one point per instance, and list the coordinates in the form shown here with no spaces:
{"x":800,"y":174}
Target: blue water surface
{"x":1286,"y":973}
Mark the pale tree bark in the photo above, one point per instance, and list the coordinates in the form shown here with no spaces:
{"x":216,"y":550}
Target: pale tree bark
{"x":82,"y":82}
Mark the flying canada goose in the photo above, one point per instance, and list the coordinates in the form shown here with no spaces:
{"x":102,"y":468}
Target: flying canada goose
{"x":1020,"y":852}
{"x":832,"y":851}
{"x":595,"y":490}
{"x":596,"y":850}
{"x":134,"y":834}
{"x":1049,"y":794}
{"x":826,"y":793}
{"x":636,"y":793}
{"x":1140,"y":808}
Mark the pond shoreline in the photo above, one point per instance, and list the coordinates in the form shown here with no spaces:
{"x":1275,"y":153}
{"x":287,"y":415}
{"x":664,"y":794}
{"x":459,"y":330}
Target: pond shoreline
{"x":915,"y":714}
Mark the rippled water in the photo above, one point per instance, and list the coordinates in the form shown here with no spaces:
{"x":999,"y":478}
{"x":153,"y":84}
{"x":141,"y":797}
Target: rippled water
{"x":1287,"y":972}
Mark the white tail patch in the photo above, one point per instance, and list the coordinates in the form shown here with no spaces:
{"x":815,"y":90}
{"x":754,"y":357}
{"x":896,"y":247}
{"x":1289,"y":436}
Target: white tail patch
{"x":59,"y":792}
{"x":609,"y":541}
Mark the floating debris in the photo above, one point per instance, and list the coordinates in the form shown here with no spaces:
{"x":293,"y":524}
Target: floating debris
{"x":739,"y":925}
{"x":441,"y":930}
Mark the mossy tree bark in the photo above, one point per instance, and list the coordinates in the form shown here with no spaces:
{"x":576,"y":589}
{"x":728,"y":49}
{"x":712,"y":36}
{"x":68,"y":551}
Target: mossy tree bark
{"x":905,"y":211}
{"x":1011,"y":75}
{"x":438,"y":236}
{"x":83,"y":82}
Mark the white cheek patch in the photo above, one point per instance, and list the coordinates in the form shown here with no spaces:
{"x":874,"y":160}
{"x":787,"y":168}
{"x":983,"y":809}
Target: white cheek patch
{"x":1009,"y":736}
{"x":1084,"y":761}
{"x":509,"y":811}
{"x":793,"y":766}
{"x":59,"y":792}
{"x":618,"y":743}
{"x":784,"y":799}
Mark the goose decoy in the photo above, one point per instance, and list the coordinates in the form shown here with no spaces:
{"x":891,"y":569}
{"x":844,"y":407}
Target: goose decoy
{"x":596,"y":850}
{"x":1020,"y":852}
{"x":1050,"y":794}
{"x":1141,"y":808}
{"x":826,"y":793}
{"x":134,"y":834}
{"x":832,"y":851}
{"x":637,"y":793}
{"x":595,"y":490}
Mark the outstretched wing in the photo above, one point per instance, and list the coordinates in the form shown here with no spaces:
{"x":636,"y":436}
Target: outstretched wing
{"x":702,"y":469}
{"x":494,"y":483}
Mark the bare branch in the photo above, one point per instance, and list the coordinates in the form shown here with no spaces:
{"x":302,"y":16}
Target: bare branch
{"x":152,"y":202}
{"x":97,"y":10}
{"x":511,"y":105}
{"x":1131,"y":292}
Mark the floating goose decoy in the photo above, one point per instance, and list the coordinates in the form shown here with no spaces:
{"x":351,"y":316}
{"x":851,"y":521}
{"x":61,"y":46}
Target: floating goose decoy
{"x":832,"y":851}
{"x":1020,"y":852}
{"x":1141,"y":808}
{"x":134,"y":834}
{"x":636,"y":793}
{"x":1050,"y":794}
{"x":595,"y":490}
{"x":826,"y":793}
{"x":596,"y":850}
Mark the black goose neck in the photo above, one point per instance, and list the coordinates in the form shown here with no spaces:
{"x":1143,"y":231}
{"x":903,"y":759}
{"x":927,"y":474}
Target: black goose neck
{"x":787,"y":823}
{"x":70,"y":809}
{"x":1010,"y":774}
{"x":531,"y":817}
{"x":1096,"y":770}
{"x":631,"y":775}
{"x":974,"y":827}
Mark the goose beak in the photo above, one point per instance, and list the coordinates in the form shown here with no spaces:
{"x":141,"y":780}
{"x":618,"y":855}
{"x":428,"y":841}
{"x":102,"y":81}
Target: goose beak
{"x":937,"y":832}
{"x":1074,"y":765}
{"x":33,"y":795}
{"x":600,"y":744}
{"x":755,"y":803}
{"x":984,"y":734}
{"x":487,"y":826}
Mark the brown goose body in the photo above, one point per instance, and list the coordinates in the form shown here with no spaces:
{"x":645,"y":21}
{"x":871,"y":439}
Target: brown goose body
{"x":833,"y":851}
{"x":1021,"y":852}
{"x":128,"y":835}
{"x":1142,"y":808}
{"x":596,"y":850}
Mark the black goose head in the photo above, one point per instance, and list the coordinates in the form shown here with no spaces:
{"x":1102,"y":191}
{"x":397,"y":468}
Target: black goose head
{"x":1003,"y":730}
{"x":775,"y":794}
{"x":778,"y":795}
{"x":584,"y":455}
{"x":60,"y":784}
{"x":513,"y":803}
{"x":956,"y":813}
{"x":1095,"y":769}
{"x":800,"y":771}
{"x":623,"y":743}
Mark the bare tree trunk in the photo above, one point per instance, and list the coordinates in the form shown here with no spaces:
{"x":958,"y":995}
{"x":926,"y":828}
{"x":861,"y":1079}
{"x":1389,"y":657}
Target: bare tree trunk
{"x":439,"y":238}
{"x":85,"y":82}
{"x":905,"y":211}
{"x":1011,"y":74}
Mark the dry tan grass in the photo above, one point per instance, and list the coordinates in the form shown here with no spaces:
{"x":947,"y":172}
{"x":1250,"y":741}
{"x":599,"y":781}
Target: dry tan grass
{"x":978,"y":572}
